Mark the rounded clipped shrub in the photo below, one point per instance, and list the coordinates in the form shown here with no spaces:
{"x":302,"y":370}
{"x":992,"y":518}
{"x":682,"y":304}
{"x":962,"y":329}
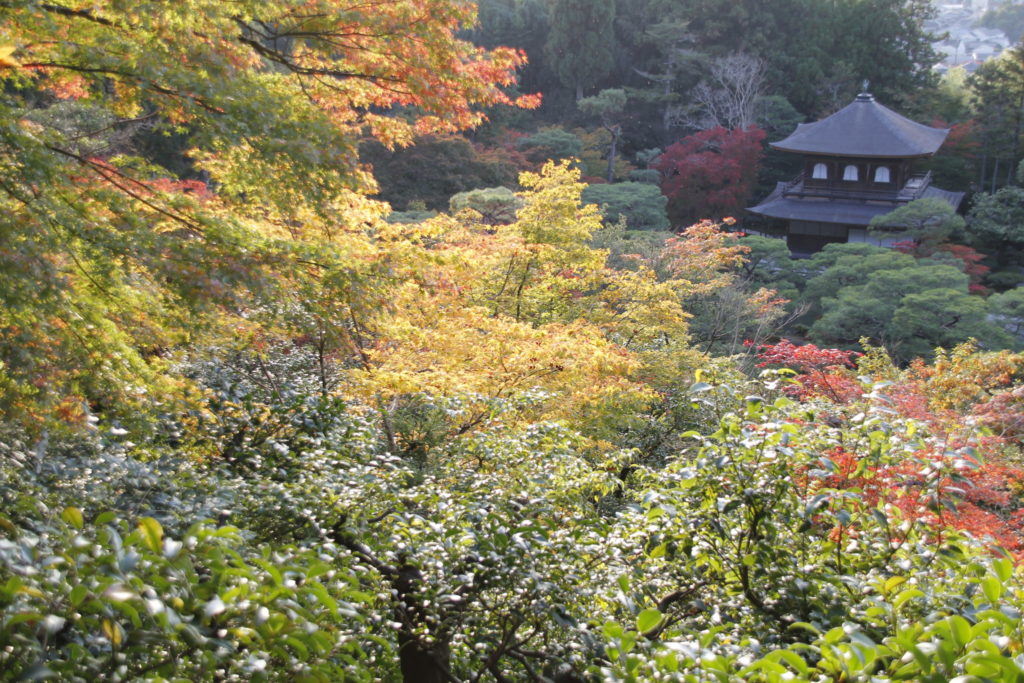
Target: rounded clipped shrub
{"x":642,"y":204}
{"x":645,"y":175}
{"x":496,"y":205}
{"x":551,"y":143}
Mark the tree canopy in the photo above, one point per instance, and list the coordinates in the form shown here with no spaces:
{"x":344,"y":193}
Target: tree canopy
{"x":710,"y":174}
{"x":317,"y":72}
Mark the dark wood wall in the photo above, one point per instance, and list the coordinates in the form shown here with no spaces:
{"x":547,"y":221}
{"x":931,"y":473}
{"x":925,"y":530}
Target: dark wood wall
{"x":899,"y":172}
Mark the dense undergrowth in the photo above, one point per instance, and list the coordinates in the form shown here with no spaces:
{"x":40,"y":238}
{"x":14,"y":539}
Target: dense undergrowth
{"x":792,"y":536}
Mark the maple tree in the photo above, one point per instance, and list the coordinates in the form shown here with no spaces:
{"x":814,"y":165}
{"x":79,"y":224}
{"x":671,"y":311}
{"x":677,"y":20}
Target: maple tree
{"x":962,"y":386}
{"x":710,"y":174}
{"x":496,"y":310}
{"x":821,"y":372}
{"x":273,"y":96}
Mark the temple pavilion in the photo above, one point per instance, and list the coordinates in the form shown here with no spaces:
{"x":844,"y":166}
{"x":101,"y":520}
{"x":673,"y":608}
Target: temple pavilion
{"x":858,"y":164}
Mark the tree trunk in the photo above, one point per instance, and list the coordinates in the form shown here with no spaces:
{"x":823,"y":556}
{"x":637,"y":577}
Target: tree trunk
{"x":616,"y":131}
{"x":419,"y":663}
{"x":579,"y":91}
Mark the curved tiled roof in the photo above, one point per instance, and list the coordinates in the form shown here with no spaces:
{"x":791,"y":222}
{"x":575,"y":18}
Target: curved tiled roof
{"x":848,"y":211}
{"x":864,"y":128}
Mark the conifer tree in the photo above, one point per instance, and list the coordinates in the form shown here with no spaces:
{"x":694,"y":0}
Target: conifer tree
{"x":580,"y":43}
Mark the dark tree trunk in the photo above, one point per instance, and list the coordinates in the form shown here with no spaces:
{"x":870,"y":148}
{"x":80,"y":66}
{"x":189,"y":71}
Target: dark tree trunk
{"x":616,"y":131}
{"x":419,"y":663}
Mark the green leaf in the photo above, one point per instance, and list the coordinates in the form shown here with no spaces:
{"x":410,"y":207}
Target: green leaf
{"x":105,"y":518}
{"x":611,"y":630}
{"x":834,"y":635}
{"x":658,"y":551}
{"x":892,"y":582}
{"x":1003,"y":568}
{"x":805,"y":626}
{"x":960,"y":628}
{"x":992,"y":587}
{"x":323,"y":596}
{"x":1003,"y":665}
{"x":78,"y":594}
{"x":647,"y":620}
{"x":795,"y":661}
{"x":904,"y":596}
{"x":73,"y":516}
{"x":152,"y":533}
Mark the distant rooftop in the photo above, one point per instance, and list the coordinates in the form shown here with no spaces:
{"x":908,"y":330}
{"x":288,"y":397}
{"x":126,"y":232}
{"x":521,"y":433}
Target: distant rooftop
{"x":865,"y":128}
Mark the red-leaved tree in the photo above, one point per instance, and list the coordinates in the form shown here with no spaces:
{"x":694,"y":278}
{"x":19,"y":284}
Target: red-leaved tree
{"x":820,"y":372}
{"x":710,"y":174}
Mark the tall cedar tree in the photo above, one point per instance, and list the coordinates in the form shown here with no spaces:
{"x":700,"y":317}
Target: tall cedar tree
{"x":581,"y":41}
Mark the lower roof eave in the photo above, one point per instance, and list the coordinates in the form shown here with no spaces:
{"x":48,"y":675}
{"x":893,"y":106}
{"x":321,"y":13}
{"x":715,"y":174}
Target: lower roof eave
{"x":838,"y":212}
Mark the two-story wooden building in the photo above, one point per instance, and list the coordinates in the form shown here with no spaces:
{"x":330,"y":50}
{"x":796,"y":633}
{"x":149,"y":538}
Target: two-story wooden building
{"x":858,"y":164}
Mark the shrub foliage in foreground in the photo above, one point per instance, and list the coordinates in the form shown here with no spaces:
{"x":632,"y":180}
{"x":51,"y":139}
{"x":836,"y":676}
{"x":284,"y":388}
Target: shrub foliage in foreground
{"x":790,"y":540}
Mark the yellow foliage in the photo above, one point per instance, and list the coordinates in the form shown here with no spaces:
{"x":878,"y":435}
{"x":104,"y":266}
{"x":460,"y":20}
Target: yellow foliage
{"x":963,"y":376}
{"x":6,"y":60}
{"x":496,"y":311}
{"x":876,"y":363}
{"x":446,"y":350}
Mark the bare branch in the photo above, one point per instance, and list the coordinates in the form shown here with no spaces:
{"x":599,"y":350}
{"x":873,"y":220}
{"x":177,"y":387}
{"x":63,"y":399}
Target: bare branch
{"x":726,"y":98}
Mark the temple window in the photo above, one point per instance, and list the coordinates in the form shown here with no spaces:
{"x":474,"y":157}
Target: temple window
{"x":820,"y":172}
{"x":882,"y":174}
{"x":850,"y":173}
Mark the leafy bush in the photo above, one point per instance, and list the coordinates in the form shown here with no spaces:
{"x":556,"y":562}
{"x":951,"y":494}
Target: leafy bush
{"x":910,"y":306}
{"x":434,"y":169}
{"x":414,"y":216}
{"x":92,"y":598}
{"x":1007,"y":310}
{"x":645,"y":175}
{"x":641,"y":204}
{"x":770,"y":544}
{"x":775,"y":555}
{"x":496,"y":205}
{"x":551,"y":143}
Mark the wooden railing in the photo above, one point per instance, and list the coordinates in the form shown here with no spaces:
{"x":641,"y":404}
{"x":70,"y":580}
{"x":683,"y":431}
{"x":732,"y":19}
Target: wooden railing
{"x":913,"y":189}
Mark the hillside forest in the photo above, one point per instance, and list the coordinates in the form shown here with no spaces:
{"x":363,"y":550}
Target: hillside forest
{"x":429,"y":341}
